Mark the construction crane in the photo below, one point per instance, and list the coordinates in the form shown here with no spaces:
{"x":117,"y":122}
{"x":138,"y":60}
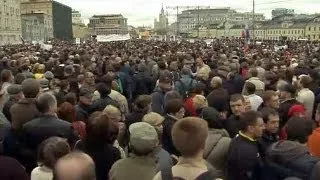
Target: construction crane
{"x":177,"y":8}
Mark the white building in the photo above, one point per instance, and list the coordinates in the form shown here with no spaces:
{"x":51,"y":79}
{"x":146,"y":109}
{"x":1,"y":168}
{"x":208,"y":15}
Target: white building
{"x":10,"y":22}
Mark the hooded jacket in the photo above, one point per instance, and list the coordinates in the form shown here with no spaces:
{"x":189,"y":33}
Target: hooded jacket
{"x":291,"y":159}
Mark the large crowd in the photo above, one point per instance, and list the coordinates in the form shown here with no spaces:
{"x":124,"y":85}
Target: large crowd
{"x":152,"y":110}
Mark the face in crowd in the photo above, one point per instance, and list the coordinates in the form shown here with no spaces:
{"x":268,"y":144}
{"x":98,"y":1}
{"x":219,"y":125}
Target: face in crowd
{"x":237,"y":107}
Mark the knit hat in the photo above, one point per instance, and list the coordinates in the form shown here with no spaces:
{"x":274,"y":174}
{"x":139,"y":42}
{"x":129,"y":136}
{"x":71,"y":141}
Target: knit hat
{"x":143,"y":136}
{"x":14,"y":89}
{"x":48,"y":75}
{"x":298,"y":108}
{"x":44,"y":83}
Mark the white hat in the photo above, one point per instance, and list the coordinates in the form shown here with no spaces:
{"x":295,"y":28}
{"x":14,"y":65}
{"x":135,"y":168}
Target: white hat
{"x":143,"y":136}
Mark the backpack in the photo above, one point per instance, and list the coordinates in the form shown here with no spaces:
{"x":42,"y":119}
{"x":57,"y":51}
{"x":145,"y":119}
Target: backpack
{"x":184,"y":91}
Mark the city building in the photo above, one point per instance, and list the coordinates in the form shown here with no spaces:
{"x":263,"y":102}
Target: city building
{"x":108,"y":24}
{"x":36,"y":27}
{"x":76,"y":17}
{"x":60,"y":15}
{"x":281,"y":11}
{"x":191,"y":19}
{"x":313,"y":29}
{"x":10,"y":22}
{"x":79,"y":29}
{"x":161,"y":26}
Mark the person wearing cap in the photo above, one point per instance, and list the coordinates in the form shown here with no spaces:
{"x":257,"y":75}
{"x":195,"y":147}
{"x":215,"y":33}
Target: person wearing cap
{"x":142,"y":163}
{"x":164,"y":86}
{"x":156,"y":120}
{"x":83,"y":106}
{"x":44,"y":85}
{"x":15,"y":92}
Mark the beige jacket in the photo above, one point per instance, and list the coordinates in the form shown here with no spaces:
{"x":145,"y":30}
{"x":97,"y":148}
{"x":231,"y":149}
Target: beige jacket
{"x":260,"y":86}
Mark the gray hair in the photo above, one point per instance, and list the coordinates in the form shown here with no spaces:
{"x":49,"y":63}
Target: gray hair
{"x":45,"y":102}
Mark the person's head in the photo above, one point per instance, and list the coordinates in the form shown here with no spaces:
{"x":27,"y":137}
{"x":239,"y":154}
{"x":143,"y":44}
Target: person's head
{"x":199,"y":102}
{"x":190,"y":129}
{"x":6,"y":76}
{"x":216,"y":82}
{"x":81,"y":79}
{"x":247,"y":103}
{"x":287,"y":91}
{"x":113,"y":113}
{"x":19,"y":78}
{"x":212,"y":117}
{"x":101,"y":130}
{"x":30,"y":88}
{"x":143,"y":138}
{"x":199,"y":62}
{"x":304,"y":81}
{"x":103,"y":89}
{"x":253,"y":72}
{"x":297,"y":110}
{"x":250,"y":87}
{"x":186,"y":71}
{"x":85,"y":97}
{"x":64,"y":85}
{"x":71,"y":98}
{"x":165,"y":81}
{"x":47,"y":103}
{"x":15,"y":91}
{"x":89,"y":78}
{"x":271,"y":119}
{"x":251,"y":123}
{"x":155,"y":120}
{"x":274,"y":68}
{"x":65,"y":168}
{"x":175,"y":108}
{"x":67,"y":112}
{"x":298,"y":129}
{"x":203,"y":74}
{"x":271,"y":99}
{"x":143,"y":104}
{"x":50,"y":150}
{"x":237,"y":104}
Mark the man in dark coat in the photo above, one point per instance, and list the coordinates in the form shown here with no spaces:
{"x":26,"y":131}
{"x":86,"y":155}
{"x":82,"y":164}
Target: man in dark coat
{"x":25,"y":110}
{"x":219,"y":97}
{"x":46,"y":126}
{"x":15,"y":92}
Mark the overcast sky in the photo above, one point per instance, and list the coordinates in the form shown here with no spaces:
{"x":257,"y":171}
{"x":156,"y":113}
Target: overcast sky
{"x":143,"y":12}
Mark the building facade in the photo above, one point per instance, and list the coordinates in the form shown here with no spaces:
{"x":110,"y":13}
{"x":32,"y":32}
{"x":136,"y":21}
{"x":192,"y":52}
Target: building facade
{"x":313,"y":29}
{"x":108,"y":24}
{"x":36,"y":27}
{"x":161,"y":25}
{"x":10,"y":22}
{"x":61,"y":15}
{"x":281,"y":11}
{"x":76,"y":17}
{"x":191,"y":19}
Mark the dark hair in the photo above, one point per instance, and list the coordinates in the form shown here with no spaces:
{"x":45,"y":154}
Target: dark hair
{"x":268,"y":95}
{"x":19,"y":78}
{"x":236,"y":97}
{"x":298,"y":129}
{"x":250,"y":87}
{"x":174,"y":106}
{"x":30,"y":88}
{"x":186,"y":130}
{"x":211,"y":115}
{"x":266,"y":112}
{"x":248,"y":119}
{"x":100,"y":131}
{"x":71,"y":98}
{"x":45,"y":101}
{"x":305,"y":81}
{"x":63,"y":84}
{"x":103,"y":89}
{"x":5,"y":75}
{"x":51,"y":149}
{"x":141,"y":103}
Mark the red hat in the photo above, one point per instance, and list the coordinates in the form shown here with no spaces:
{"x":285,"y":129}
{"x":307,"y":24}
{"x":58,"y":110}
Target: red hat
{"x":298,"y":108}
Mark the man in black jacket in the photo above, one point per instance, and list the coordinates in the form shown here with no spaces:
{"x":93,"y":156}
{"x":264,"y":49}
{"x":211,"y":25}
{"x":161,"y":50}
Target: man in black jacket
{"x":270,"y":134}
{"x":244,"y":161}
{"x":237,"y":104}
{"x":47,"y":125}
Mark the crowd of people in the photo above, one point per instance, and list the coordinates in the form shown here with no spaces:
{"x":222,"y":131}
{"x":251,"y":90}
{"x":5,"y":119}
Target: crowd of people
{"x":154,"y":110}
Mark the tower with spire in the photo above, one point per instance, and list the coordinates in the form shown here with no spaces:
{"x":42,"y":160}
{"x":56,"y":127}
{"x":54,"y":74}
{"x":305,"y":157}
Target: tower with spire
{"x":161,"y":25}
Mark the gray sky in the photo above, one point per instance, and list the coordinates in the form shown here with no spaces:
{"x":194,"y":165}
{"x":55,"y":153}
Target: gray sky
{"x":143,"y":12}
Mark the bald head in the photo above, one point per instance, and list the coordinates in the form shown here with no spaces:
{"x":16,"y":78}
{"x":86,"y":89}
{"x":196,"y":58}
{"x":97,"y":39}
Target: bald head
{"x":75,"y":166}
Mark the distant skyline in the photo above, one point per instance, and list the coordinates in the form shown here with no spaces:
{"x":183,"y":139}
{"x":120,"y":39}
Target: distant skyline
{"x":143,"y":12}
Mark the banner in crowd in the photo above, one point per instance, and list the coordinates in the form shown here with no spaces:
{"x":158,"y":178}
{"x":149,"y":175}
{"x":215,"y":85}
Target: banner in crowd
{"x":113,"y":37}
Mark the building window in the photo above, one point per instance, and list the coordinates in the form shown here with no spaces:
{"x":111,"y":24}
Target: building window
{"x":309,"y":28}
{"x":314,"y":36}
{"x":298,"y":31}
{"x":315,"y":28}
